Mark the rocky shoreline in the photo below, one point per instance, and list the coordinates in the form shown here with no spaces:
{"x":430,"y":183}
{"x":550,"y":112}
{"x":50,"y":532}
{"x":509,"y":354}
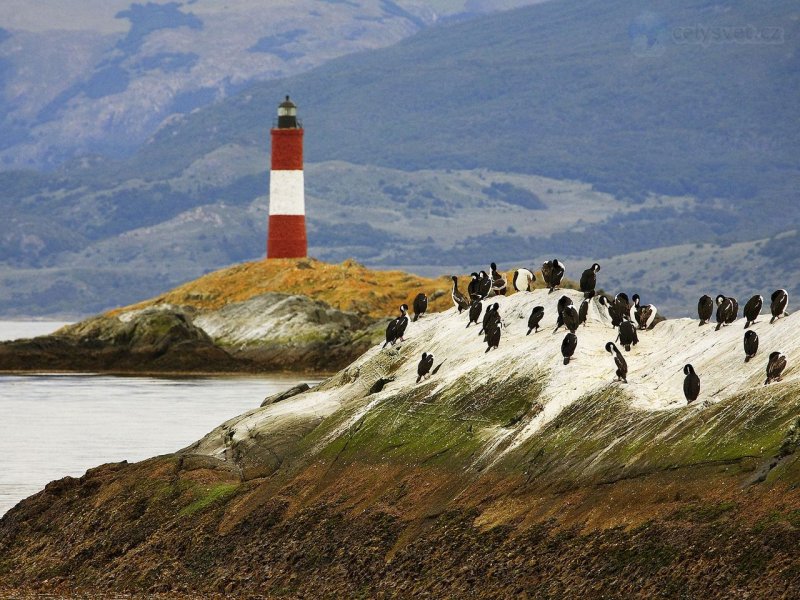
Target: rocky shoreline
{"x":507,"y":474}
{"x":270,"y":332}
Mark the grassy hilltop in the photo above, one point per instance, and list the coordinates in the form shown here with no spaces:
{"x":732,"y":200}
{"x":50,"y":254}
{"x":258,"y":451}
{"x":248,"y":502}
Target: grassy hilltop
{"x":348,"y":286}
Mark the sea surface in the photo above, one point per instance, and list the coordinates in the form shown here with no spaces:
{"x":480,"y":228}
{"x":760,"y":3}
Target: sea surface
{"x":57,"y":425}
{"x":12,"y":330}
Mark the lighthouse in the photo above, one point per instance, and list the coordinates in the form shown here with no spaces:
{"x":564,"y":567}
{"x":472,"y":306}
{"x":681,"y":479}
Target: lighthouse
{"x":287,"y":207}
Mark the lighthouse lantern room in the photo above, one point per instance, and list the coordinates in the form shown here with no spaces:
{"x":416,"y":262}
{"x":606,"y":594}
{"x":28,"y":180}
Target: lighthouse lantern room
{"x":287,"y":220}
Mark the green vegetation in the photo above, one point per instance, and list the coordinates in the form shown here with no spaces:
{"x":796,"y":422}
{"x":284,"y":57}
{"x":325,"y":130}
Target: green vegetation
{"x":448,"y":430}
{"x":705,"y":513}
{"x":597,"y":439}
{"x":206,"y":496}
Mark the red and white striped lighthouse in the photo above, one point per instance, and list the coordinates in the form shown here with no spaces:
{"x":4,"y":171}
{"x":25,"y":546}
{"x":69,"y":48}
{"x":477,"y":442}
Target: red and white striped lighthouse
{"x":287,"y":206}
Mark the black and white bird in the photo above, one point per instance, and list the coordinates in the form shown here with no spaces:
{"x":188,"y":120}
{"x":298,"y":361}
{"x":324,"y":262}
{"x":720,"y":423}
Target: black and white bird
{"x":397,"y":327}
{"x":571,"y":318}
{"x":402,"y":322}
{"x":568,"y":346}
{"x":705,"y":308}
{"x":691,"y":384}
{"x":642,"y":314}
{"x":537,"y":314}
{"x":752,"y":309}
{"x":563,"y":303}
{"x":490,"y":317}
{"x":583,"y":311}
{"x":552,"y":273}
{"x":460,"y":302}
{"x":492,"y":337}
{"x":472,"y":287}
{"x":750,"y":344}
{"x":623,"y":304}
{"x":420,"y":306}
{"x":627,"y":335}
{"x":499,"y":285}
{"x":610,"y":308}
{"x":619,"y":361}
{"x":484,"y":285}
{"x":424,"y":366}
{"x":775,"y":367}
{"x":727,"y":311}
{"x":522,"y":280}
{"x":780,"y":298}
{"x":589,"y":280}
{"x":618,"y":308}
{"x":475,"y":312}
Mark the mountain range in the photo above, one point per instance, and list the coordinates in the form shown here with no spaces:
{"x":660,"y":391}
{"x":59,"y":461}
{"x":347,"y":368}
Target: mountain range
{"x":648,"y":137}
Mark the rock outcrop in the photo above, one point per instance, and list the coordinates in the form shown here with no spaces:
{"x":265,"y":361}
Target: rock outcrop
{"x":267,"y":332}
{"x":282,"y":314}
{"x":156,"y":339}
{"x":503,"y":475}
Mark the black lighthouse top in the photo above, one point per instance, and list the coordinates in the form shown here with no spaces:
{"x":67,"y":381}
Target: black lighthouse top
{"x":287,"y":115}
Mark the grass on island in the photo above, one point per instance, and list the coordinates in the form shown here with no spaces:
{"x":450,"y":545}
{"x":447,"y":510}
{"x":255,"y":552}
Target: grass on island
{"x":348,"y":286}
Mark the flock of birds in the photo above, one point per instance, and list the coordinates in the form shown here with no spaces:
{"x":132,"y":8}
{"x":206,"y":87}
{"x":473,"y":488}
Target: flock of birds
{"x":628,"y":316}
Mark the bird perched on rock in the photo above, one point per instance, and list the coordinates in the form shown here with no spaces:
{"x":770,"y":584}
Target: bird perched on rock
{"x":571,"y":318}
{"x":402,"y":322}
{"x":691,"y":384}
{"x":583,"y":311}
{"x":397,"y":327}
{"x":537,"y":314}
{"x":610,"y":309}
{"x":424,"y":366}
{"x":460,"y":302}
{"x":475,"y":312}
{"x":522,"y":280}
{"x":627,"y":335}
{"x":553,"y":273}
{"x":775,"y":367}
{"x":589,"y":280}
{"x":568,"y":346}
{"x":472,"y":287}
{"x":420,"y":306}
{"x":780,"y":298}
{"x":484,"y":285}
{"x":492,"y":337}
{"x":752,"y":309}
{"x":562,"y":305}
{"x":619,"y":361}
{"x":705,"y":308}
{"x":380,"y":384}
{"x":618,"y":308}
{"x":499,"y":285}
{"x":643,"y":314}
{"x":490,"y":317}
{"x":750,"y":345}
{"x":727,"y":311}
{"x":623,"y":305}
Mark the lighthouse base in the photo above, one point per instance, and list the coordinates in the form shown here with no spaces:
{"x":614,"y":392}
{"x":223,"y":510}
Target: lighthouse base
{"x":287,"y":237}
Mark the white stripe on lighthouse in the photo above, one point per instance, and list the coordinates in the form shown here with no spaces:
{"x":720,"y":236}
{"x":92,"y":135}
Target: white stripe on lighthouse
{"x":286,"y":195}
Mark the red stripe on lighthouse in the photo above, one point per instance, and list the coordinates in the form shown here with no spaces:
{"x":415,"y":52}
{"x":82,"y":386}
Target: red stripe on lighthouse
{"x":287,"y":149}
{"x":287,"y":236}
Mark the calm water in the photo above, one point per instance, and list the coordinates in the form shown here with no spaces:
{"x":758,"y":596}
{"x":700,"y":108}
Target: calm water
{"x":12,"y":330}
{"x":57,"y":425}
